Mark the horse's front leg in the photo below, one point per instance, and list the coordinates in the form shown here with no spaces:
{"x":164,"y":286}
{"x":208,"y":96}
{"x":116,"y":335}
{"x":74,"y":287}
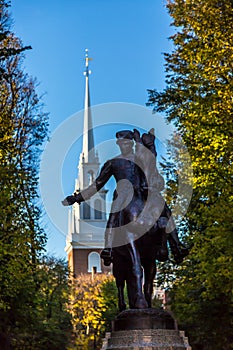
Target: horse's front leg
{"x":149,"y":275}
{"x":121,"y":300}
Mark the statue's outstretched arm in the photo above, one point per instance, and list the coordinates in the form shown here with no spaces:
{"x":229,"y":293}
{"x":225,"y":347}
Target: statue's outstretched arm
{"x":88,"y":192}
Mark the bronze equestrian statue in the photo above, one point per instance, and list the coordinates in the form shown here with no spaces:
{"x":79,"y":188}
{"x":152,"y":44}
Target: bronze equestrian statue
{"x":140,"y":222}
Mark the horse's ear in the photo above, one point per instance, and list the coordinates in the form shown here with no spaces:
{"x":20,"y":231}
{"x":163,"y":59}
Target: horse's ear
{"x":152,"y":131}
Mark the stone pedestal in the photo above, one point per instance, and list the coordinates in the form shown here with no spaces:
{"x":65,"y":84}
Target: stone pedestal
{"x":148,"y":329}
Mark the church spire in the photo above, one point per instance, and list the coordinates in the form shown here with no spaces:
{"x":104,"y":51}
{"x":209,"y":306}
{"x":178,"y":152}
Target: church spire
{"x":84,"y":242}
{"x":88,"y":152}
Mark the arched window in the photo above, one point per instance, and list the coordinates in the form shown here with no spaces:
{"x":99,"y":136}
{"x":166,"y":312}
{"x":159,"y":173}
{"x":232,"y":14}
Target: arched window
{"x":94,"y":262}
{"x":98,"y":209}
{"x":86,"y":211}
{"x":91,"y":177}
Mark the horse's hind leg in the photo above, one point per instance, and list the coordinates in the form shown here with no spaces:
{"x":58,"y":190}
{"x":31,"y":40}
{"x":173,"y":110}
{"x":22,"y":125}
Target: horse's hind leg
{"x":149,"y":275}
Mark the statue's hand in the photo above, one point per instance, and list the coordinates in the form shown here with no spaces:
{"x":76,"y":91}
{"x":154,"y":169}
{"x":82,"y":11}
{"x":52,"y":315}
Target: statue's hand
{"x":69,"y":200}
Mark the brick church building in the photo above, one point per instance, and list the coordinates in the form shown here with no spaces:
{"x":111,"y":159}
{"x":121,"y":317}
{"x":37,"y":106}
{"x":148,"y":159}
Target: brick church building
{"x":87,"y":222}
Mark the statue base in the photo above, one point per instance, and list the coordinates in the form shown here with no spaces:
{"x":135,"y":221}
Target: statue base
{"x":146,"y":329}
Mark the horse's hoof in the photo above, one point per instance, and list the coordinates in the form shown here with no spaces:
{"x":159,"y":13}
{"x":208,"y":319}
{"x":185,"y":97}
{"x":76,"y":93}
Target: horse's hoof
{"x":140,"y":303}
{"x":122,"y":307}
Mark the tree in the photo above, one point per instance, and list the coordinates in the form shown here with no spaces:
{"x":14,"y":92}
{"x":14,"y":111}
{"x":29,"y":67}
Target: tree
{"x":53,"y":329}
{"x":93,"y":306}
{"x":198,"y":100}
{"x":23,"y":129}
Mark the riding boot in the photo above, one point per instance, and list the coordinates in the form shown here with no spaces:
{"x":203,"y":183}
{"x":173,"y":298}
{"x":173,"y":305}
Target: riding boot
{"x":179,"y":251}
{"x":162,"y":251}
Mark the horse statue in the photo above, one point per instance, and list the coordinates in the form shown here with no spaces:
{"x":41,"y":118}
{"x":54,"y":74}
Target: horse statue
{"x":139,"y":223}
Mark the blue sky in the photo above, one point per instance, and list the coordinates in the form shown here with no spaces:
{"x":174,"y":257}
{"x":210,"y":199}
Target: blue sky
{"x":126,"y":40}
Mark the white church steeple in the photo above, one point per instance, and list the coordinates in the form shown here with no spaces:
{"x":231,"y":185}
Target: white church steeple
{"x":88,"y":151}
{"x":87,"y":222}
{"x":89,"y":162}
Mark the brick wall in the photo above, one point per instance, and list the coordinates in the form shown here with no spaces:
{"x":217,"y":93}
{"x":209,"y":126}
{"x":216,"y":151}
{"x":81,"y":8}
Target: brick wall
{"x":78,"y":261}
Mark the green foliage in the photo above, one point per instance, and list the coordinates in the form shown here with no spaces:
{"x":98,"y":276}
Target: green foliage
{"x":23,"y":128}
{"x":50,"y":321}
{"x":156,"y":303}
{"x":93,"y":306}
{"x":32,"y":293}
{"x":52,"y":305}
{"x":110,"y":296}
{"x":198,"y":99}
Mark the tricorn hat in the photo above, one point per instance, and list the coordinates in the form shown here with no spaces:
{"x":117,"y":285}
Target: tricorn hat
{"x":124,"y":134}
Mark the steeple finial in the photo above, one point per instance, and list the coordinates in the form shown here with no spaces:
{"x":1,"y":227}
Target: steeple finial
{"x":87,"y":72}
{"x":88,"y":137}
